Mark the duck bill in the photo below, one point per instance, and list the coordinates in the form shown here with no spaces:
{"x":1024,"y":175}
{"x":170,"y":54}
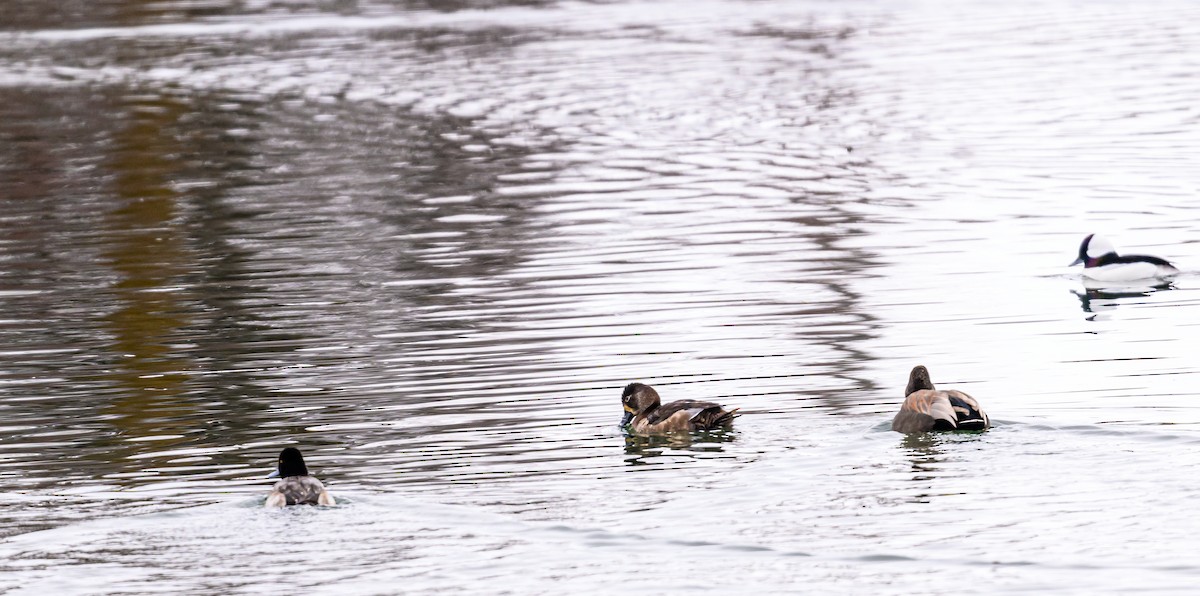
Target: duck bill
{"x":274,"y":474}
{"x":626,"y":418}
{"x":1077,"y":261}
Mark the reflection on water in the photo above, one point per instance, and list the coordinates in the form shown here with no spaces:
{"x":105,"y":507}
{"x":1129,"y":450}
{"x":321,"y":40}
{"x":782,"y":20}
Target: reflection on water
{"x":933,"y":456}
{"x":82,"y":14}
{"x":429,"y":244}
{"x":148,"y":256}
{"x":658,"y":449}
{"x":1097,"y":298}
{"x":923,"y":447}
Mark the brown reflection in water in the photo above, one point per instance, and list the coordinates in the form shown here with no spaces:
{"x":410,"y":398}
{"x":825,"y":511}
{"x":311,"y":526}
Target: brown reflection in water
{"x":925,"y":452}
{"x":131,"y":13}
{"x":106,"y":13}
{"x":146,"y":249}
{"x":851,"y":340}
{"x":642,"y":450}
{"x":932,"y":455}
{"x":28,"y":172}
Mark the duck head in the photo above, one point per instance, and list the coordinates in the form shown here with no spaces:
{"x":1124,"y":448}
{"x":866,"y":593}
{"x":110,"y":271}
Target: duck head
{"x":291,"y":463}
{"x":1091,"y":249}
{"x":918,"y":379}
{"x":636,"y":399}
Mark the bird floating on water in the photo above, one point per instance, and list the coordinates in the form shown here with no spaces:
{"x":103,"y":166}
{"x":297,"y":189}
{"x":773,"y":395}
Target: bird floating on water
{"x":1102,"y":263}
{"x":646,"y":415}
{"x":926,"y":408}
{"x":295,"y":486}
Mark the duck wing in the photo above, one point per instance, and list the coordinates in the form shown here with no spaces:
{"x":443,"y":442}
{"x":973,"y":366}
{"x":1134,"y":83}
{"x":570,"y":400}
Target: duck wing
{"x":967,"y":413}
{"x":702,"y":414}
{"x":925,"y":410}
{"x":713,"y":417}
{"x":1106,"y":259}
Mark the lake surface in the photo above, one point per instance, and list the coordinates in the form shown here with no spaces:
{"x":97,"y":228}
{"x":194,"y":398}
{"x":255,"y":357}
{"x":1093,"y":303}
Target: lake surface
{"x":429,"y":243}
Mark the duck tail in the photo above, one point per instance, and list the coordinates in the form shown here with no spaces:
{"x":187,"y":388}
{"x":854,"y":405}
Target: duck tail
{"x":724,"y":418}
{"x":968,"y":414}
{"x":972,"y":424}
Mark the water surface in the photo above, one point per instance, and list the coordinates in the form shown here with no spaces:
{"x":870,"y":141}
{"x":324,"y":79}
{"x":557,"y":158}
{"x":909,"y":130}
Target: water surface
{"x":429,"y":245}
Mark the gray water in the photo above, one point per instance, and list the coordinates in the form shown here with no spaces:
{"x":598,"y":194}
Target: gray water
{"x":428,"y":245}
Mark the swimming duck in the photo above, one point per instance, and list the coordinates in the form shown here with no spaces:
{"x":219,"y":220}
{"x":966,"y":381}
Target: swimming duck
{"x":295,"y":486}
{"x":1101,"y":262}
{"x":926,"y":408}
{"x":644,"y":414}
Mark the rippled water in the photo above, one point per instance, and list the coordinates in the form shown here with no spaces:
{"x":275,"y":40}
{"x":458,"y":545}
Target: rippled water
{"x":430,"y":244}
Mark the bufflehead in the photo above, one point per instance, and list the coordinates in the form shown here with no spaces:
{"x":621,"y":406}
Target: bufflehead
{"x":1101,"y":262}
{"x":644,"y":414}
{"x":295,"y":486}
{"x":926,"y":408}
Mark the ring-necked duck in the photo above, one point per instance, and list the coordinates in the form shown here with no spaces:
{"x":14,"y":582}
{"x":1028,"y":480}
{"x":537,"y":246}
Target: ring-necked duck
{"x":1101,"y":262}
{"x":644,"y":414}
{"x":295,"y":486}
{"x":926,"y":408}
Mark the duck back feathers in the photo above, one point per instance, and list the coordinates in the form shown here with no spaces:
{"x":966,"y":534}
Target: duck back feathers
{"x":701,"y":414}
{"x":926,"y":408}
{"x":298,"y":490}
{"x":295,"y":485}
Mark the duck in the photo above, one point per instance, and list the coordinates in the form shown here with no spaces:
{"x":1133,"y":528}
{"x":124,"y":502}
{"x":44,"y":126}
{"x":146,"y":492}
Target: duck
{"x":295,"y":486}
{"x":1102,"y":263}
{"x":646,"y":415}
{"x":926,"y":408}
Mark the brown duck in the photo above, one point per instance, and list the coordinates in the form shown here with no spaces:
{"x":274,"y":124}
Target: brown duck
{"x":926,"y":408}
{"x":646,"y":415}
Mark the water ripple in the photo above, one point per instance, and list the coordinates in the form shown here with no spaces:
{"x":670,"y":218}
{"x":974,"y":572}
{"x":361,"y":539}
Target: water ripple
{"x":430,"y":247}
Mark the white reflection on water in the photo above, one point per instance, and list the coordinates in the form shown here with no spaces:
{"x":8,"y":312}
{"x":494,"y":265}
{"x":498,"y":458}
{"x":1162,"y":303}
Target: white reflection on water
{"x":431,"y":248}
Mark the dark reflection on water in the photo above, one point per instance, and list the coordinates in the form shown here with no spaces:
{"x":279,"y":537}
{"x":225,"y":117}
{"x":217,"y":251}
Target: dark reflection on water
{"x":74,"y":14}
{"x":147,"y":314}
{"x":646,"y":450}
{"x":1095,"y":300}
{"x":935,"y":458}
{"x":179,"y":260}
{"x":926,"y":453}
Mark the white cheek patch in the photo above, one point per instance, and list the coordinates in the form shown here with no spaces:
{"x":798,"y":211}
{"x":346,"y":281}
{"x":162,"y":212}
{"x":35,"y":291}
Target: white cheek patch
{"x":1099,"y":246}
